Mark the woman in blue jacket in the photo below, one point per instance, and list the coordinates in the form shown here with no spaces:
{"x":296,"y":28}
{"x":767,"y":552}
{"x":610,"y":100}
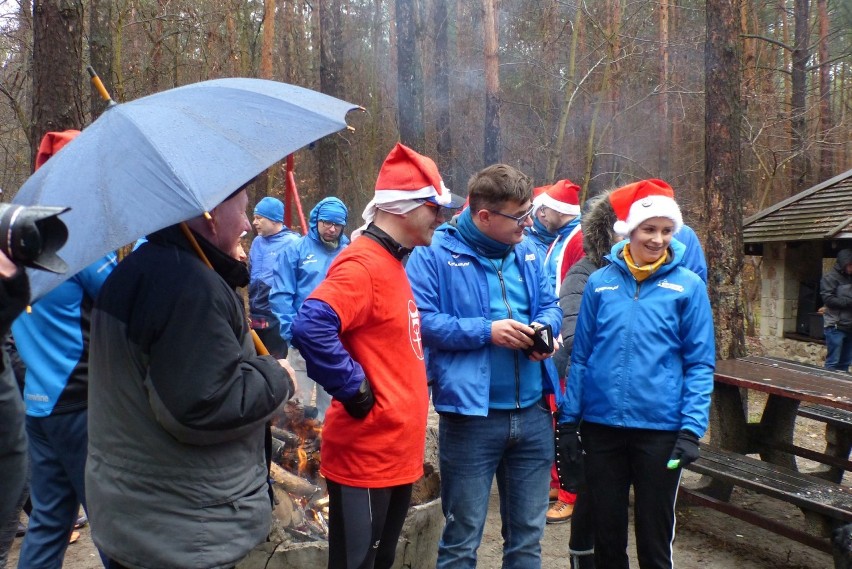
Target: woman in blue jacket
{"x":640,"y":379}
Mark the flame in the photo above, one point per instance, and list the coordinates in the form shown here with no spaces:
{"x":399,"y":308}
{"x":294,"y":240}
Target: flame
{"x":303,"y":459}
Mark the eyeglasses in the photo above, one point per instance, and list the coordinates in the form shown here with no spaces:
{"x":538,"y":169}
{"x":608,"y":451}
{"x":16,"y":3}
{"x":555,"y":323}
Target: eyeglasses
{"x":520,"y":220}
{"x":441,"y":212}
{"x":330,"y":224}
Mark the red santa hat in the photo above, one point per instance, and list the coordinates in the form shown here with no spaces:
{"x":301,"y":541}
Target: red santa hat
{"x":537,"y":193}
{"x":639,"y":201}
{"x":51,"y":143}
{"x":405,"y":179}
{"x":563,"y":196}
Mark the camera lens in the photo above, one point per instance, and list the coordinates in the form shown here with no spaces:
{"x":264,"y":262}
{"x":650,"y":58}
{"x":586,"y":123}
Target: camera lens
{"x":31,"y":236}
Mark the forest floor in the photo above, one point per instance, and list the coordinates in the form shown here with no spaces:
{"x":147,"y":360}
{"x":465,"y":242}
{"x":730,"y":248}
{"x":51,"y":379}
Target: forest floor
{"x":705,"y":538}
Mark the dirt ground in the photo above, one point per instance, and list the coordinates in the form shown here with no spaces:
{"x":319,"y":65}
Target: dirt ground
{"x":705,"y":538}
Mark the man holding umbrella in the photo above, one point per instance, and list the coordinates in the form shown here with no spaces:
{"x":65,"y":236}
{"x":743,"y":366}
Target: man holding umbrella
{"x":176,"y":474}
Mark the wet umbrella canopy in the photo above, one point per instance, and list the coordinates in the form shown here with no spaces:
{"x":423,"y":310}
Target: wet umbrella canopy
{"x":168,"y":157}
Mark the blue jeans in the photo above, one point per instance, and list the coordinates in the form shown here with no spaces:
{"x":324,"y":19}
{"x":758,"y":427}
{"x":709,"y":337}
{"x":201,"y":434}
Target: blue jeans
{"x":57,"y":449}
{"x":839,"y":349}
{"x":515,"y":445}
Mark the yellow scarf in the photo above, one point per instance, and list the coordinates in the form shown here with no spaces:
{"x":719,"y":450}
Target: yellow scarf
{"x":645,"y":271}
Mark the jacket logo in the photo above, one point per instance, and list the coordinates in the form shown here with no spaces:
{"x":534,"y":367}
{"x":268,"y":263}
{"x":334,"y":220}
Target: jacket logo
{"x":529,"y":257}
{"x":414,"y":330}
{"x":310,"y":259}
{"x":456,"y":264}
{"x":604,"y":288}
{"x":670,"y":286}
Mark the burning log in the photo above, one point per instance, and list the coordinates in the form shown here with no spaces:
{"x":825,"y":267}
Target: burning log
{"x":301,"y":508}
{"x":293,"y":484}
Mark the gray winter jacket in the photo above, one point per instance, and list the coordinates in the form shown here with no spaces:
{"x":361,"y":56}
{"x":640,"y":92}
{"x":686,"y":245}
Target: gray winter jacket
{"x":836,"y":291}
{"x":176,"y":475}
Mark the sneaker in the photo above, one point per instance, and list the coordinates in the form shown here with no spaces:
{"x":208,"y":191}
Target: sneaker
{"x":559,"y":512}
{"x":81,"y":522}
{"x":554,"y":495}
{"x":21,"y":531}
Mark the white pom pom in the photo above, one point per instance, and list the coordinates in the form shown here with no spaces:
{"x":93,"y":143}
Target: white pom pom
{"x":620,"y":227}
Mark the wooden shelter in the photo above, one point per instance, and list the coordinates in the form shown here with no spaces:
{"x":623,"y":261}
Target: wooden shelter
{"x":794,"y":237}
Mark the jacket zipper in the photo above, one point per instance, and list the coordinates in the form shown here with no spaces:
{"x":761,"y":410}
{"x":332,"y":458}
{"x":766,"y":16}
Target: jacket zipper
{"x":515,"y":352}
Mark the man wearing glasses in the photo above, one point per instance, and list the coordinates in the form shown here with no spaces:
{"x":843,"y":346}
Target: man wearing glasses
{"x":300,"y":268}
{"x":482,"y":291}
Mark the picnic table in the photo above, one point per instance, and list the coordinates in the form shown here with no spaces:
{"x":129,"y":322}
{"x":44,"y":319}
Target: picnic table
{"x":792,"y":389}
{"x":788,"y":385}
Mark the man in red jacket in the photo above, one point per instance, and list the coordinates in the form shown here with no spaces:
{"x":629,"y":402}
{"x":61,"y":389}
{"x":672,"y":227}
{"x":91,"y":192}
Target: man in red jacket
{"x":359,"y":332}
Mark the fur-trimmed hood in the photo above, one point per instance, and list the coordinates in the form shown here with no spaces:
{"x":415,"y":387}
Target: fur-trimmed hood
{"x":598,"y":234}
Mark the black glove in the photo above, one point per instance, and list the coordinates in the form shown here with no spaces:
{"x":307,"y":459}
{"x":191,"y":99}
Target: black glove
{"x":362,"y":402}
{"x":569,"y":457}
{"x":685,"y":450}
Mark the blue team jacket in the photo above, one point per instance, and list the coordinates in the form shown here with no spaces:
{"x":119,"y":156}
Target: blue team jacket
{"x":451,"y":291}
{"x":644,"y":353}
{"x":298,"y":271}
{"x":53,"y":341}
{"x":263,"y":256}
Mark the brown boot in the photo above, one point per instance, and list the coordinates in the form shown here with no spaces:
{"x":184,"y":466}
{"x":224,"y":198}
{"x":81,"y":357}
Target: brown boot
{"x":559,"y":512}
{"x":554,"y":495}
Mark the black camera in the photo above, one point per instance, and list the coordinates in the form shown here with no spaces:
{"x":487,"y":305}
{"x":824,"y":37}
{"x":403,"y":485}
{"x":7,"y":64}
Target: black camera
{"x":31,"y":236}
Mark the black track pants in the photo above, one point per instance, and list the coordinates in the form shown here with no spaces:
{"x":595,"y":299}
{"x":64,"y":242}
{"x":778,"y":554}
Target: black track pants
{"x":616,"y":459}
{"x":364,"y":525}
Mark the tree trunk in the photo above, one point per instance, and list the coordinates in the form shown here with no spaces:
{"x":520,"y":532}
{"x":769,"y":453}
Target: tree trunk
{"x":444,"y":141}
{"x":571,"y":86}
{"x":492,"y":85}
{"x":663,"y":100}
{"x":100,"y":50}
{"x":331,"y":83}
{"x":268,"y":39}
{"x":723,"y":213}
{"x":57,"y":69}
{"x":826,"y":154}
{"x":798,"y":124}
{"x":409,"y":78}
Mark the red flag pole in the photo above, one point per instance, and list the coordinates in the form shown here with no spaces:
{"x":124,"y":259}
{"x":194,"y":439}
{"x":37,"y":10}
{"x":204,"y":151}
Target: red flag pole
{"x":292,"y":196}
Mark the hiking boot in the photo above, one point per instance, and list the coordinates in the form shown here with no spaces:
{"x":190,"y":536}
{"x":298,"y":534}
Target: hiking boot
{"x":554,"y":495}
{"x":559,"y":512}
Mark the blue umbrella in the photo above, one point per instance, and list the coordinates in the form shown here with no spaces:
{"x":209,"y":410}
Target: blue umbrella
{"x":168,"y":157}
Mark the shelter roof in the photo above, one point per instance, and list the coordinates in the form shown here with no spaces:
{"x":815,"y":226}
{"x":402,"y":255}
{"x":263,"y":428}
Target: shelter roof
{"x":818,"y":213}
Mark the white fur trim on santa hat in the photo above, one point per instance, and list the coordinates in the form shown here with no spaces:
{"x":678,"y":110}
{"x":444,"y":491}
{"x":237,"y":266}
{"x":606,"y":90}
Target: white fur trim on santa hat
{"x":388,"y":196}
{"x":646,"y":208}
{"x":556,"y":205}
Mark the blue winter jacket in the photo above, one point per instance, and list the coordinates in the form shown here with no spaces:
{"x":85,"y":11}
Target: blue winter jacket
{"x":53,"y":341}
{"x":299,"y":270}
{"x":644,"y":353}
{"x":451,"y":290}
{"x":263,"y":255}
{"x":693,"y":256}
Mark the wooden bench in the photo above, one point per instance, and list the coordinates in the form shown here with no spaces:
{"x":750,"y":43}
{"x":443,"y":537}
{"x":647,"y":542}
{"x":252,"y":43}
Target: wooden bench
{"x":838,"y":437}
{"x":835,"y":417}
{"x":826,"y":505}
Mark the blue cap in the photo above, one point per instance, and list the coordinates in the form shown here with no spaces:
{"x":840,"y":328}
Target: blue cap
{"x":330,"y":209}
{"x":270,"y":208}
